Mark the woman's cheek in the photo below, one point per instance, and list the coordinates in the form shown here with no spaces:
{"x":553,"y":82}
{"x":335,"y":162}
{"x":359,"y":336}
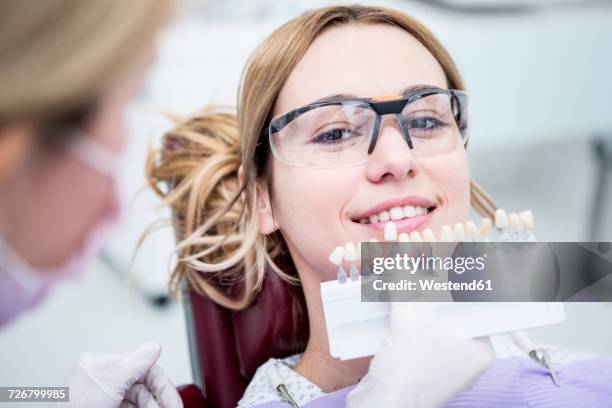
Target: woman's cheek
{"x":309,"y":207}
{"x":452,"y":176}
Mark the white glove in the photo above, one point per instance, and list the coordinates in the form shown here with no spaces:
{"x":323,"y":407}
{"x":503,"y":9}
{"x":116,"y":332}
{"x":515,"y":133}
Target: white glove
{"x":121,"y":380}
{"x":420,"y":364}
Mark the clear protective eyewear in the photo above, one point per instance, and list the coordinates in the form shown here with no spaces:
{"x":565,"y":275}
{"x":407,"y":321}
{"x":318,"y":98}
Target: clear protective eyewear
{"x":344,"y":132}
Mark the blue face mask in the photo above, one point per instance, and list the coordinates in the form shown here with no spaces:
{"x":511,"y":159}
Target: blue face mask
{"x":22,"y":286}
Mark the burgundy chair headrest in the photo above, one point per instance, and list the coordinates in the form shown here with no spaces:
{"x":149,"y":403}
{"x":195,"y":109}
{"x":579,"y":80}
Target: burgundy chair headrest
{"x":232,"y":345}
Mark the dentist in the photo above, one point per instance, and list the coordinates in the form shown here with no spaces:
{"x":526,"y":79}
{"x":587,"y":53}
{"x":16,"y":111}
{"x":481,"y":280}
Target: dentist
{"x":67,"y":70}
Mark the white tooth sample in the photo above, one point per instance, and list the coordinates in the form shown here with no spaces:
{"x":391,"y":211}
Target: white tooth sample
{"x":428,"y":235}
{"x":485,"y":227}
{"x":446,"y":234}
{"x":515,"y":222}
{"x":403,"y":237}
{"x":336,"y":256}
{"x":384,"y":216}
{"x":396,"y":213}
{"x":415,"y":236}
{"x":373,"y":240}
{"x":390,"y":231}
{"x":527,"y":218}
{"x":459,"y":232}
{"x":471,"y":230}
{"x":350,"y":254}
{"x":501,"y":219}
{"x":373,"y":219}
{"x":410,"y":211}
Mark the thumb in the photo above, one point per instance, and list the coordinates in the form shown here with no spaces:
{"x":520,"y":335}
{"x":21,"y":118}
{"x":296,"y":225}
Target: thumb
{"x":133,"y":367}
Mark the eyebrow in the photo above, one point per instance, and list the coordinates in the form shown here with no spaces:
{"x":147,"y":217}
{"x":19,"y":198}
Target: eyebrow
{"x":342,"y":97}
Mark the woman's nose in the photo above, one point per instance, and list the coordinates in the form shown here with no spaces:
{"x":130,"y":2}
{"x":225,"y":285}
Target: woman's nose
{"x":391,"y":158}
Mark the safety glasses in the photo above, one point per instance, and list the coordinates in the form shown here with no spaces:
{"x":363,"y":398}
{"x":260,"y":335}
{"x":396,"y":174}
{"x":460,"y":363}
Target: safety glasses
{"x":340,"y":133}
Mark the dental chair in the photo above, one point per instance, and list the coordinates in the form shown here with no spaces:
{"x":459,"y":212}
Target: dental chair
{"x":226,"y":347}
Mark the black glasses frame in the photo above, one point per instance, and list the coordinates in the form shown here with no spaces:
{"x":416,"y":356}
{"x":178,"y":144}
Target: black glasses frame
{"x":384,"y":106}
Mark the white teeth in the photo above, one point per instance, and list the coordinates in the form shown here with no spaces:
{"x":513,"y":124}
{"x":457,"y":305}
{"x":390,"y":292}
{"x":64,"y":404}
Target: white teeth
{"x":501,"y":219}
{"x":336,"y":256}
{"x":527,"y":218}
{"x":350,"y":254}
{"x":396,"y":213}
{"x":410,"y":211}
{"x":515,"y":222}
{"x":403,"y":237}
{"x":390,"y":232}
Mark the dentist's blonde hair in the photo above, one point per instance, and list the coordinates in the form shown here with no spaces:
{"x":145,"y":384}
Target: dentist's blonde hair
{"x":58,"y":56}
{"x":196,"y":171}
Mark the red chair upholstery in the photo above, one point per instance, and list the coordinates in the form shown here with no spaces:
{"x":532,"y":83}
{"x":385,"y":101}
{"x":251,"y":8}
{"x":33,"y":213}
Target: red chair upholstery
{"x":226,"y":347}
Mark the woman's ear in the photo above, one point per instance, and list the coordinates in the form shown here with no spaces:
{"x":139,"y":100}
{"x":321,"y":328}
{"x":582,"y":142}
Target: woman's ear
{"x":16,"y":143}
{"x":267,"y":221}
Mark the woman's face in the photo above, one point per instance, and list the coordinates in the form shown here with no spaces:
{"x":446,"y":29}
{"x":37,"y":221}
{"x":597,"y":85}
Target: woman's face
{"x":318,"y":209}
{"x":51,"y":201}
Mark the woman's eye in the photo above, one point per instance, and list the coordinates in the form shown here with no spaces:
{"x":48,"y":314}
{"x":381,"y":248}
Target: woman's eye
{"x":332,"y":136}
{"x":425,"y":123}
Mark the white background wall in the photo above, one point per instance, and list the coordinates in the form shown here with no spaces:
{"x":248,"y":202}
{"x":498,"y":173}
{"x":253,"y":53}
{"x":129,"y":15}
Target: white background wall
{"x":540,"y":86}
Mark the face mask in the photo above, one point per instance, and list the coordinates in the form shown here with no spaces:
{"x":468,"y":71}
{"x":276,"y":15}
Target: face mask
{"x":22,"y":287}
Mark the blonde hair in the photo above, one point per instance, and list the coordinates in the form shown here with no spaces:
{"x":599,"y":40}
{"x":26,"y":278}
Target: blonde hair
{"x":57,"y":55}
{"x":196,"y":171}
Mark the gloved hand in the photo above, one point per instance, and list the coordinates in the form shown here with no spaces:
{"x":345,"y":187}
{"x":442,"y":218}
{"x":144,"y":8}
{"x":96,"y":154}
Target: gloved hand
{"x":121,"y":380}
{"x":420,"y":364}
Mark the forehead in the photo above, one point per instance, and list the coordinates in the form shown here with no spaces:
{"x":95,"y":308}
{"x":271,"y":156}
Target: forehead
{"x":365,"y":60}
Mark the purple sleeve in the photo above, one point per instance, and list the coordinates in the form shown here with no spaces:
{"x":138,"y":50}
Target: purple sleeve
{"x":517,"y":382}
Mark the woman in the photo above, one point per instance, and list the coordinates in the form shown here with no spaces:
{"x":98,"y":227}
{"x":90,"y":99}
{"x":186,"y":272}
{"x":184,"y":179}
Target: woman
{"x":312,"y":163}
{"x":67,"y":70}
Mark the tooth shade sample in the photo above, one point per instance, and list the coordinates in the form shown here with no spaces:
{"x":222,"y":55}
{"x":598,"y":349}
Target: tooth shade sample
{"x":471,"y":230}
{"x":501,"y":219}
{"x":336,"y":256}
{"x":527,"y":218}
{"x":515,"y":222}
{"x":459,"y":232}
{"x":446,"y":235}
{"x":403,"y":237}
{"x":350,"y":254}
{"x":358,"y":249}
{"x":428,"y":235}
{"x":415,"y":236}
{"x":485,"y":227}
{"x":390,"y":231}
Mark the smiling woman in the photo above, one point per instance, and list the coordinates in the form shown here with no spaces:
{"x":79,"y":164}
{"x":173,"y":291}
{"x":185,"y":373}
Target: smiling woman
{"x":348,"y":117}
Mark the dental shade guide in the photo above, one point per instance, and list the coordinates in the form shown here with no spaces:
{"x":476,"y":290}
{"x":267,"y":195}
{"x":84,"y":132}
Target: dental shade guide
{"x":336,"y":258}
{"x":516,"y":226}
{"x":485,"y":229}
{"x":527,"y":219}
{"x":501,"y":223}
{"x":356,"y":329}
{"x":350,"y":255}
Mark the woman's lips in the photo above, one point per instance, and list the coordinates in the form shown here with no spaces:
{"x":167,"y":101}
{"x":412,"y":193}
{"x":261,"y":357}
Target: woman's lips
{"x":404,"y":225}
